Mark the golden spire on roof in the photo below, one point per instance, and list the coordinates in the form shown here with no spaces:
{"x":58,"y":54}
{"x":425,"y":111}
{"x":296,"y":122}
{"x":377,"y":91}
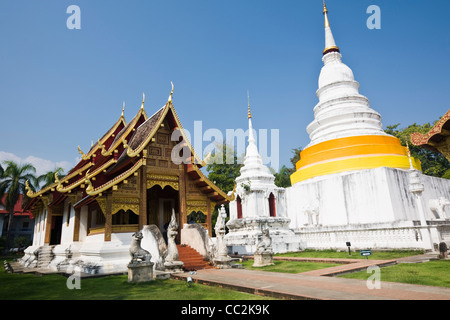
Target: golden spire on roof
{"x":325,"y":12}
{"x":123,"y":109}
{"x":249,"y":112}
{"x":171,"y":93}
{"x":330,"y":44}
{"x":143,"y":100}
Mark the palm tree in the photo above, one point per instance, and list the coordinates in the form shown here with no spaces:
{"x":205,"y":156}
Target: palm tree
{"x":12,"y":184}
{"x":49,"y":177}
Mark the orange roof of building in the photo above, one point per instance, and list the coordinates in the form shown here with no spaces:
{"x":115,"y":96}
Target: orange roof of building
{"x":18,"y":210}
{"x":437,"y":134}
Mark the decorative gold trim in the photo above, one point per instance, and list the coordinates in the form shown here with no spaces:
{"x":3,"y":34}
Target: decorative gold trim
{"x":334,"y":48}
{"x":90,"y":190}
{"x":32,"y":194}
{"x":118,"y":228}
{"x":212,"y":185}
{"x":60,"y":188}
{"x":196,"y":205}
{"x":125,"y":203}
{"x":102,"y":204}
{"x":83,"y":156}
{"x":119,"y":203}
{"x":162,"y":181}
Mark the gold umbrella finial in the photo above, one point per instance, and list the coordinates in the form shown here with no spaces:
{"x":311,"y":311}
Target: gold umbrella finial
{"x":143,"y":100}
{"x":171,"y":93}
{"x":249,"y":112}
{"x":325,"y":12}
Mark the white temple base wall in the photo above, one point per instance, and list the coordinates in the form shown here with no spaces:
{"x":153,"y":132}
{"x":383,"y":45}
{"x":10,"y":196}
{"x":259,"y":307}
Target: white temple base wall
{"x":93,"y":255}
{"x":373,"y":207}
{"x":244,"y":235}
{"x":29,"y":259}
{"x":402,"y":235}
{"x":97,"y":256}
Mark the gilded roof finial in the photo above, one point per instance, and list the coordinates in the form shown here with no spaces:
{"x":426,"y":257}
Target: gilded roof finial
{"x":29,"y":191}
{"x":325,"y":12}
{"x":249,"y":112}
{"x":409,"y":156}
{"x":143,"y":100}
{"x":330,"y":44}
{"x":81,"y":152}
{"x":123,"y":109}
{"x":171,"y":93}
{"x":83,"y":156}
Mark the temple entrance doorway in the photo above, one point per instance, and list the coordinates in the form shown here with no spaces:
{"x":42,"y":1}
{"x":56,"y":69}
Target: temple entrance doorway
{"x":160,"y":203}
{"x":56,"y":230}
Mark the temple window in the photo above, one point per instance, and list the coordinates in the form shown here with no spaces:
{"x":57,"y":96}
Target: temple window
{"x":196,"y":217}
{"x":98,"y":218}
{"x":68,"y":215}
{"x":272,"y":211}
{"x":239,"y":207}
{"x":125,"y":217}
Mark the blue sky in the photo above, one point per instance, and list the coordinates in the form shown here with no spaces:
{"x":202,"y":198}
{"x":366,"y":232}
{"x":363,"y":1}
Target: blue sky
{"x":61,"y":88}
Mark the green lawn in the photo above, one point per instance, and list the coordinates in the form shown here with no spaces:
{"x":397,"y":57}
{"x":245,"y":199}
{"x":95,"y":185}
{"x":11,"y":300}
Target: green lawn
{"x":431,"y":273}
{"x":376,"y":255}
{"x":53,"y":287}
{"x":289,"y":266}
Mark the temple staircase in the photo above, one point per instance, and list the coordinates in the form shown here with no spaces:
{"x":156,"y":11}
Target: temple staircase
{"x":192,"y":259}
{"x":45,"y":256}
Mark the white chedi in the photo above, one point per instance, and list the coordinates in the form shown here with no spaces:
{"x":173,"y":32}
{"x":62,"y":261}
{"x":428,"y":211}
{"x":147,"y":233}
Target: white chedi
{"x":259,"y":204}
{"x":342,"y":111}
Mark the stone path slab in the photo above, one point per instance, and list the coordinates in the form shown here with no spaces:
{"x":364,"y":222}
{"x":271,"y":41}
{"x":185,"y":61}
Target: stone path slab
{"x":314,"y":285}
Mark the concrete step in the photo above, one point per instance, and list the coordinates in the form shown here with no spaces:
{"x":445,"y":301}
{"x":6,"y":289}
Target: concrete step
{"x":192,"y":259}
{"x":45,"y":256}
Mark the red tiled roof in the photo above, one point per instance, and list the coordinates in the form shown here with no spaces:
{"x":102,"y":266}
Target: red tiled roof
{"x":18,"y":211}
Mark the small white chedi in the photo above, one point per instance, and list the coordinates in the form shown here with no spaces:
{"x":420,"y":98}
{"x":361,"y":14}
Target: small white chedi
{"x":259,"y":205}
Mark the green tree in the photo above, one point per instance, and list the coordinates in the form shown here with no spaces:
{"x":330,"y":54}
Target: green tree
{"x":12,"y":184}
{"x":294,"y":159}
{"x":433,"y":163}
{"x":48,"y":178}
{"x":282,"y":177}
{"x":222,"y":173}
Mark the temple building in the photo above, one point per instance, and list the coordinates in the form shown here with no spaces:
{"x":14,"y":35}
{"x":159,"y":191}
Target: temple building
{"x":22,"y":225}
{"x":355,"y":183}
{"x":437,"y":138}
{"x":136,"y":174}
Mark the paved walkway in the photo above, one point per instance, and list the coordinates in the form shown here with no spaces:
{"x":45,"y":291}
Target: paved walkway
{"x":318,"y":284}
